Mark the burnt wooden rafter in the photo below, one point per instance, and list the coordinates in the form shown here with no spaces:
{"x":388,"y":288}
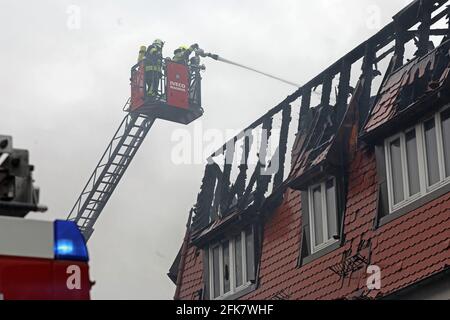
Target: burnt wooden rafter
{"x":225,"y":186}
{"x":282,"y":146}
{"x":344,"y":89}
{"x":305,"y":111}
{"x":263,"y":176}
{"x":424,"y":28}
{"x":238,"y":187}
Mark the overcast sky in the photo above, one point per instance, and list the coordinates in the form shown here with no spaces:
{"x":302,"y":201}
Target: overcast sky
{"x":65,"y":77}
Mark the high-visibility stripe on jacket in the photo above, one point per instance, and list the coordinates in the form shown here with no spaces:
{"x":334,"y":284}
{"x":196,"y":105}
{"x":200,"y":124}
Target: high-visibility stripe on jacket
{"x":153,"y":59}
{"x":153,"y":68}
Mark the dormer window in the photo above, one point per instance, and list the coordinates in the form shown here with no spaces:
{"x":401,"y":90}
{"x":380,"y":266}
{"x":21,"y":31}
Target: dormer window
{"x":322,"y":209}
{"x":231,"y":265}
{"x":418,"y":160}
{"x":323,"y":214}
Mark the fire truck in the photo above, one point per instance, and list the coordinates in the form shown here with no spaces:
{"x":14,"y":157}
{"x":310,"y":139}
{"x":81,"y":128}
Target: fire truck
{"x":49,"y":259}
{"x":42,"y":260}
{"x":38,"y":259}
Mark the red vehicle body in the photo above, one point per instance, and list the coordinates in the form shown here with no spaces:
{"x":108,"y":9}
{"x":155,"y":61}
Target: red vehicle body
{"x":36,"y":263}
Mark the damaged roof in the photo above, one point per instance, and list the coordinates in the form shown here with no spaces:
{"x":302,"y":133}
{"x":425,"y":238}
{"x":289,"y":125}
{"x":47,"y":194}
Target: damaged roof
{"x":411,"y":248}
{"x":327,"y":141}
{"x":407,"y":88}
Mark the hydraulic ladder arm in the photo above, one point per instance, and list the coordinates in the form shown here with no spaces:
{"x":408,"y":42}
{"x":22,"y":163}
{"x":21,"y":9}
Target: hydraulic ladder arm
{"x":109,"y":171}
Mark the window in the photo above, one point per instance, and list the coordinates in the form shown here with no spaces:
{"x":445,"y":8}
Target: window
{"x":418,"y":160}
{"x":445,"y":125}
{"x":431,"y":152}
{"x":231,"y":265}
{"x":323,"y":215}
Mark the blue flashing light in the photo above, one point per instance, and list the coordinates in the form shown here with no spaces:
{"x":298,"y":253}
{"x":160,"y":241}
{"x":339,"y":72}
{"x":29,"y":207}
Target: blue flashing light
{"x":69,"y":242}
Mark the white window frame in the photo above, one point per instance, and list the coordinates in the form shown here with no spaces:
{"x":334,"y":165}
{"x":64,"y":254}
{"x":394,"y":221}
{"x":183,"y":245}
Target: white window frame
{"x":425,"y":188}
{"x":232,"y":267}
{"x":318,"y":247}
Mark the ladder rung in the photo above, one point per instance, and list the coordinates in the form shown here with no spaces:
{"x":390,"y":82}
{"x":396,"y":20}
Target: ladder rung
{"x":134,"y":137}
{"x":118,"y":164}
{"x":111,"y":174}
{"x":96,"y":201}
{"x":115,"y":175}
{"x":123,"y":155}
{"x":94,"y":208}
{"x":106,"y":182}
{"x":98,"y":191}
{"x":109,"y":183}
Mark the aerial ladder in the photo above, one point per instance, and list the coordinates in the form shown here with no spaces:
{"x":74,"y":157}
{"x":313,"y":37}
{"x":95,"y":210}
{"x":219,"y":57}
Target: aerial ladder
{"x":178,"y":99}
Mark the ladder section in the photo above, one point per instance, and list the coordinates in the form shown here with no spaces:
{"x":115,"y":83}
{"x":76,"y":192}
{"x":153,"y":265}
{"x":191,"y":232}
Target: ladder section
{"x":109,"y":171}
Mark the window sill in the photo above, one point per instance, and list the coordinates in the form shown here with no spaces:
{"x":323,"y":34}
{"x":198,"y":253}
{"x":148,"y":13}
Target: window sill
{"x":320,"y":254}
{"x":238,"y":294}
{"x":437,"y":193}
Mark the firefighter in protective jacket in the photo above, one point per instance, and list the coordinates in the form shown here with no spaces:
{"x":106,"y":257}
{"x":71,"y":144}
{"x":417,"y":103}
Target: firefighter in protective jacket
{"x":153,"y":66}
{"x":181,"y":55}
{"x":142,"y":51}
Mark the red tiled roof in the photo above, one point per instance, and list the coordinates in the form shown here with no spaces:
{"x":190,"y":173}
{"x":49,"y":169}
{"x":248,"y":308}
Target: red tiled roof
{"x":407,"y":250}
{"x":387,"y":105}
{"x":307,"y":156}
{"x":191,"y":282}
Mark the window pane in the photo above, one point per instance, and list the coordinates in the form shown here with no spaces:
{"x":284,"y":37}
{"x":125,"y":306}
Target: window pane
{"x":397,"y":173}
{"x":317,"y":211}
{"x":226,"y":267}
{"x":413,"y":163}
{"x":331,"y":209}
{"x":216,"y":271}
{"x":445,"y":118}
{"x":250,"y":253}
{"x":238,"y":261}
{"x":431,"y":152}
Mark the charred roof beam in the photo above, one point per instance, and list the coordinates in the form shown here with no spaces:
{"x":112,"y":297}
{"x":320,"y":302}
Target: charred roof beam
{"x":326,"y":89}
{"x":305,"y":114}
{"x":344,"y":90}
{"x":225,"y":191}
{"x":401,"y":37}
{"x":367,"y":76}
{"x":238,"y":187}
{"x":397,"y":31}
{"x":282,"y":148}
{"x":407,"y":18}
{"x":424,"y":29}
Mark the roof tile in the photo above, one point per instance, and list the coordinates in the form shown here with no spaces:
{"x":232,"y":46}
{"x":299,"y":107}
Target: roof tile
{"x":386,"y":107}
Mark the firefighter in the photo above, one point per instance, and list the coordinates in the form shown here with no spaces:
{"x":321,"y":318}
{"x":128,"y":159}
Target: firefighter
{"x":181,"y":55}
{"x":141,"y":55}
{"x":153,"y":67}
